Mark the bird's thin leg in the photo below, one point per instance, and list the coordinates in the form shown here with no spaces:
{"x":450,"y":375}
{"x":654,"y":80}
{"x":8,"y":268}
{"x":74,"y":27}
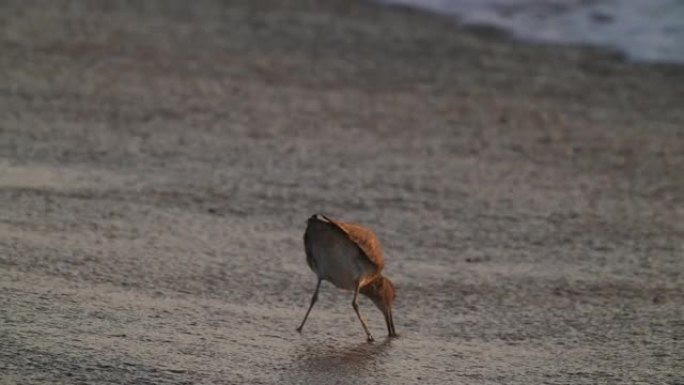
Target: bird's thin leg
{"x":313,"y":301}
{"x":355,"y":305}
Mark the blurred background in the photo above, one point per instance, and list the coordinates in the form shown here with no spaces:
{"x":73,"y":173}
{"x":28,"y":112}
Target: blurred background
{"x":159,"y":159}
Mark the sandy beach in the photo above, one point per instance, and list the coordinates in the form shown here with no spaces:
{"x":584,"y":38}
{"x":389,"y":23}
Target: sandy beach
{"x":159,"y":159}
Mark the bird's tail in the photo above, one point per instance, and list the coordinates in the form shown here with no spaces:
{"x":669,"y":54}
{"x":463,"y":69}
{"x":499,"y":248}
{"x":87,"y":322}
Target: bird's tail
{"x":321,"y":217}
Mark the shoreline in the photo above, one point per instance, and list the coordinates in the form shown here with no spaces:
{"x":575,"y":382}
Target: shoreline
{"x":603,"y":26}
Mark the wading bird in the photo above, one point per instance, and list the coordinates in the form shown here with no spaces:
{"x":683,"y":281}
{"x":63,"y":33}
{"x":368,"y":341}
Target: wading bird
{"x":350,"y":257}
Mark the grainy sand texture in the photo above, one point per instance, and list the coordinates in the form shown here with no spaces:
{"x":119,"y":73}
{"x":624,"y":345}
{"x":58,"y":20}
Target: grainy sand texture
{"x":159,"y":159}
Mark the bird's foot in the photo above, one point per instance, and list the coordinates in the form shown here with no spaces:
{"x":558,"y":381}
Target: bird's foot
{"x":299,"y":330}
{"x":370,"y":338}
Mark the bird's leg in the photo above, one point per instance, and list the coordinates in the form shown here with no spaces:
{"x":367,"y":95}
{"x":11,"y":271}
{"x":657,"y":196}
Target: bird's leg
{"x":355,"y":305}
{"x":313,"y":301}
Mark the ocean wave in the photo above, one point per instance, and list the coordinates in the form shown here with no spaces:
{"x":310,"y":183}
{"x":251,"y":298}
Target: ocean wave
{"x":643,"y":30}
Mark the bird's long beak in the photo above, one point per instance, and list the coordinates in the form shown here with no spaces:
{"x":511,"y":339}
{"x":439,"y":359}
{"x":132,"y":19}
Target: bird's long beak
{"x":390,"y":323}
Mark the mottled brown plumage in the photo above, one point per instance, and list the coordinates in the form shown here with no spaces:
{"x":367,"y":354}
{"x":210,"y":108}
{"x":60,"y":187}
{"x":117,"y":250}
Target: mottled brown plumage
{"x":350,"y":257}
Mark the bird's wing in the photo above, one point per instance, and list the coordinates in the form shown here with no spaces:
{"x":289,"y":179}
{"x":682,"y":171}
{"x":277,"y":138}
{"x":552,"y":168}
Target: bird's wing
{"x":310,"y":260}
{"x":364,"y":238}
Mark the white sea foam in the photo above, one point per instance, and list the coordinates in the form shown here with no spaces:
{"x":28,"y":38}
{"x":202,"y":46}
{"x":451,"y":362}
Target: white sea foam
{"x":644,"y":30}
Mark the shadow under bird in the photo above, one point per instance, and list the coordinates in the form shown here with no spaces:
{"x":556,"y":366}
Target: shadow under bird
{"x":350,"y":257}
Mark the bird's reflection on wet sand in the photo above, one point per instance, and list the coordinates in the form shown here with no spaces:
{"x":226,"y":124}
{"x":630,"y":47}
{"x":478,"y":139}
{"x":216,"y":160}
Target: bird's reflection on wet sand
{"x":327,"y":363}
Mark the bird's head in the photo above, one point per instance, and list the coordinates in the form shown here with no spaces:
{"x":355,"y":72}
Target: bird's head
{"x":382,"y":292}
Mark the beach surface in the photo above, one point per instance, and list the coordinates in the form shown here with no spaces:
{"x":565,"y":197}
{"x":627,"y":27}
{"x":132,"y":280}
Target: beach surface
{"x":159,"y":159}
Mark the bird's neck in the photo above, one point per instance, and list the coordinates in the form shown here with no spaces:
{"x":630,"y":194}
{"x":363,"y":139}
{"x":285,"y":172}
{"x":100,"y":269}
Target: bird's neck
{"x":373,"y":286}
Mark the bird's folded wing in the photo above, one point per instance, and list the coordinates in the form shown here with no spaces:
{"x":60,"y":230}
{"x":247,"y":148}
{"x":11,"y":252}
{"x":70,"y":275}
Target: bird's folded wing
{"x":364,"y":238}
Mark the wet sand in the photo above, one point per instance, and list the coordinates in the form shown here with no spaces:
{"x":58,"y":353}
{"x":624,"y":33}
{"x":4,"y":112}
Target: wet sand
{"x":158,"y":162}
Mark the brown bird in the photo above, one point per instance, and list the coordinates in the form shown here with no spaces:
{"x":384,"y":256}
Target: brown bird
{"x":350,"y":257}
